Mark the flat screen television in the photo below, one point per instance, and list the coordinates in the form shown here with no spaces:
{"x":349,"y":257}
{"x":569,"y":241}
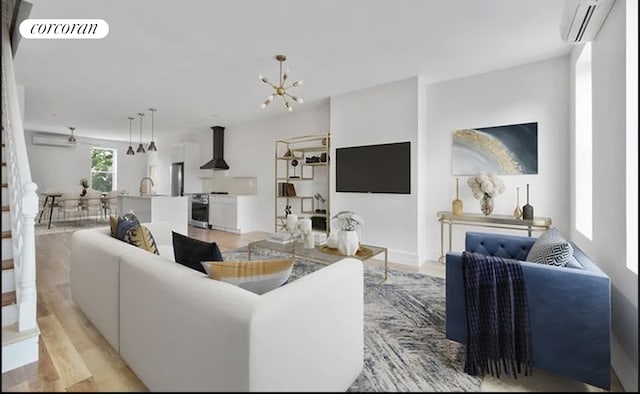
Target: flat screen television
{"x":384,"y":168}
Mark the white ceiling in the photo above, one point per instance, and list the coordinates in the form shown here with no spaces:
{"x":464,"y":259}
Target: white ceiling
{"x":196,"y":61}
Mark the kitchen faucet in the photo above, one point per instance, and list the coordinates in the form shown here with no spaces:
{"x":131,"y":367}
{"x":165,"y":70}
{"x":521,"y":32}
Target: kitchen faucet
{"x":143,"y":187}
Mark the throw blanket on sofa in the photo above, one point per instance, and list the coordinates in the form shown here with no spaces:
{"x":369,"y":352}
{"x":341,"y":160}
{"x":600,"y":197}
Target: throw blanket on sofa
{"x":497,"y":316}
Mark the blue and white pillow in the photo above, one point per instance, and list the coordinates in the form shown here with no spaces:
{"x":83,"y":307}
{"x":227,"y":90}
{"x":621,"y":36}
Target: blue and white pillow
{"x":551,"y":248}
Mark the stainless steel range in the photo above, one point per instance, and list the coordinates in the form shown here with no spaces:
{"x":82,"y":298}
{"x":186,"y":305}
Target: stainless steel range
{"x":199,"y":216}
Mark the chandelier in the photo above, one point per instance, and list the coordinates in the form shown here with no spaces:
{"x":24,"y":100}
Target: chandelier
{"x":72,"y":139}
{"x":281,"y":89}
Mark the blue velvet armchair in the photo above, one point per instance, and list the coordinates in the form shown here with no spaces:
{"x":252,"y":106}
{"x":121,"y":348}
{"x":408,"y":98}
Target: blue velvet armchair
{"x":569,"y":307}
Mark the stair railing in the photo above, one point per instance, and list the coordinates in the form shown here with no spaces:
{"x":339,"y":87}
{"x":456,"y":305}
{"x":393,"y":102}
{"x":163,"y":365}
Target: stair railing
{"x":23,"y":199}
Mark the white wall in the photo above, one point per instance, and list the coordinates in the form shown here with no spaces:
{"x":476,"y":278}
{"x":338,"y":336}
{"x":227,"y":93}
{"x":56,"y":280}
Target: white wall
{"x":537,"y":92}
{"x":62,"y":168}
{"x":381,"y":114}
{"x":249,"y":152}
{"x":608,"y":247}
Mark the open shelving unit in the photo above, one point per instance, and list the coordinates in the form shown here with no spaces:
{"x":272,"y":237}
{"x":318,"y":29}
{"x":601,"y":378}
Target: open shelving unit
{"x":303,"y":163}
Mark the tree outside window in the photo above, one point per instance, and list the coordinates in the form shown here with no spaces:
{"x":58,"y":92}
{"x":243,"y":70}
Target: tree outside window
{"x":103,"y":169}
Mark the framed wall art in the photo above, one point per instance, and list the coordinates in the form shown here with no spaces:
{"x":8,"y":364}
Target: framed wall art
{"x":502,"y":150}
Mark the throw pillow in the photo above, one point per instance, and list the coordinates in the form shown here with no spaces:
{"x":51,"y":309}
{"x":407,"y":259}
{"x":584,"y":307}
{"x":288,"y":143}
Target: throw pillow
{"x":113,"y":223}
{"x":191,"y":252}
{"x":551,"y":248}
{"x":124,"y":223}
{"x":141,"y":237}
{"x":258,"y":276}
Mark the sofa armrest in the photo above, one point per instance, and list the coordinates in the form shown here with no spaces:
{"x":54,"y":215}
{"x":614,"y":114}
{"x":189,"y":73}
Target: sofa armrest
{"x":309,"y":334}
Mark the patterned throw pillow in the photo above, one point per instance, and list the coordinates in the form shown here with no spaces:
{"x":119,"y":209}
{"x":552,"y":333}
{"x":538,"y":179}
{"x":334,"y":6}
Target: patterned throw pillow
{"x":121,"y":224}
{"x":141,"y":237}
{"x":258,"y":276}
{"x":551,"y":248}
{"x":190,"y":252}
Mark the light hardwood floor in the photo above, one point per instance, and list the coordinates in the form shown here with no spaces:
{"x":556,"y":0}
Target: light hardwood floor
{"x":73,"y":354}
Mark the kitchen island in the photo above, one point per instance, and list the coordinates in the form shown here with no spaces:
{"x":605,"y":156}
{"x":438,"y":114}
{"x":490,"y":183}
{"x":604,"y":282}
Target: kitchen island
{"x":157,"y":208}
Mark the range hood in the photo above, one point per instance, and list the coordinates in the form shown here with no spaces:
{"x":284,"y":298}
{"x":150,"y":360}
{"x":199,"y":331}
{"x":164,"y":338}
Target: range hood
{"x":217,"y":163}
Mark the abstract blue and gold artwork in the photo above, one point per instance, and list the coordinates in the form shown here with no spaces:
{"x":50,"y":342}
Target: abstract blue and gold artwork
{"x":502,"y":150}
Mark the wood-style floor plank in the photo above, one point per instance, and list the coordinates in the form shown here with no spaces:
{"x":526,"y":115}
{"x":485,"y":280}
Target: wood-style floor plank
{"x":65,"y":356}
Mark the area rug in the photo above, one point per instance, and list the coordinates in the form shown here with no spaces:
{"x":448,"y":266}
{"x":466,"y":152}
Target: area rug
{"x":405,"y":348}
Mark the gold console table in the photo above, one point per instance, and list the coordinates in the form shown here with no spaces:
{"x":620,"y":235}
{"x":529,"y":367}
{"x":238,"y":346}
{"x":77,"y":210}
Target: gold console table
{"x":496,"y":221}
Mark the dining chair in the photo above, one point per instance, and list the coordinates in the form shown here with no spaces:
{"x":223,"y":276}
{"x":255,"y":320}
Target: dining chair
{"x":110,"y":203}
{"x":69,"y":203}
{"x":92,"y":202}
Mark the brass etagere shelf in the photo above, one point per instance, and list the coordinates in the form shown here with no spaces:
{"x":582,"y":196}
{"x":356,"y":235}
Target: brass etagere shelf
{"x":303,"y":160}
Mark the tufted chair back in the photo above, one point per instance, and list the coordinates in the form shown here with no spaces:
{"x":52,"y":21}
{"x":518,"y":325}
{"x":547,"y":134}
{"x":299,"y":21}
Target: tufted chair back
{"x":516,"y":248}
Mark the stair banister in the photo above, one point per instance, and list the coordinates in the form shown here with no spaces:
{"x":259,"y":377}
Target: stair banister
{"x":23,"y":199}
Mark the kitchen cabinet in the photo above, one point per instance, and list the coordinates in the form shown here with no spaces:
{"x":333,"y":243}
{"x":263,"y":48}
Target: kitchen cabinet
{"x":189,"y":154}
{"x":231,"y":213}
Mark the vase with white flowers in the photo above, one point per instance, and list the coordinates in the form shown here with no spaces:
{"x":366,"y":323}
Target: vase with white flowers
{"x":485,"y":187}
{"x":84,"y":182}
{"x":349,"y":225}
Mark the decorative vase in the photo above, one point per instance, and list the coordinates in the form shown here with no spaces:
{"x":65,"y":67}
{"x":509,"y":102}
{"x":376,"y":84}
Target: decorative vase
{"x":348,"y":242}
{"x":332,"y":241}
{"x":517,"y":213}
{"x":486,"y":204}
{"x":456,"y":205}
{"x":527,"y":209}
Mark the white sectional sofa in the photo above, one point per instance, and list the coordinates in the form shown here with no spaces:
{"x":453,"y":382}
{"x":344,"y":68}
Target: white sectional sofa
{"x":178,"y":330}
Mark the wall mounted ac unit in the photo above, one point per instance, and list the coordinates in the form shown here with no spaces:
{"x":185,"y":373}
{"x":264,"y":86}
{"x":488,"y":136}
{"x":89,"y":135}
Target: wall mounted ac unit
{"x":51,"y":139}
{"x":582,"y":19}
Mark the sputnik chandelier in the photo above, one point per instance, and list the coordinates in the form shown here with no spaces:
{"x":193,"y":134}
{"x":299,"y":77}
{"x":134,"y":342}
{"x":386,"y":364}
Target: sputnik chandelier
{"x":281,"y":89}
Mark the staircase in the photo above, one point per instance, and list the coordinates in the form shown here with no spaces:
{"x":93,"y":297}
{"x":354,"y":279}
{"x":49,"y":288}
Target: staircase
{"x":20,"y":332}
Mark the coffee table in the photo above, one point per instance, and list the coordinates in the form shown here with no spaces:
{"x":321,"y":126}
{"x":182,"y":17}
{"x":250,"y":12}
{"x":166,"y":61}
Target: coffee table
{"x":320,"y":254}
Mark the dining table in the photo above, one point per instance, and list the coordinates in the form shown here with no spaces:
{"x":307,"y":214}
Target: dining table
{"x":48,"y":196}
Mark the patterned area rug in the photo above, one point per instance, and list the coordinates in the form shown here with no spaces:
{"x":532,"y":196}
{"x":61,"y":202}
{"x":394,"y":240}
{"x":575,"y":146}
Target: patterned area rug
{"x":405,"y":348}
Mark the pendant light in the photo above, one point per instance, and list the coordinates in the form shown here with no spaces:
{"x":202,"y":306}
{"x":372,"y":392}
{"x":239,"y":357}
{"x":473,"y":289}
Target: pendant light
{"x":152,"y":145}
{"x":130,"y":150}
{"x":72,"y":139}
{"x":140,"y":147}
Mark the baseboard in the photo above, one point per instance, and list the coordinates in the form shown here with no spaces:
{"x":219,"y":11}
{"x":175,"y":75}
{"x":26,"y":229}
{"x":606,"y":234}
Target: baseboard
{"x":402,"y":257}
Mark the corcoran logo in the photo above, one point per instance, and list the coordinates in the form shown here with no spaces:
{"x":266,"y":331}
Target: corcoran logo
{"x":64,"y":29}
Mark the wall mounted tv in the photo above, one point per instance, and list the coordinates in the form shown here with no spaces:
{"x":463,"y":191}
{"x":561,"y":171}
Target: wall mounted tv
{"x":384,"y":168}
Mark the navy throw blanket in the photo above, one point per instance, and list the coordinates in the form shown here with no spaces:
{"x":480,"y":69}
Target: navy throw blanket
{"x":497,"y":316}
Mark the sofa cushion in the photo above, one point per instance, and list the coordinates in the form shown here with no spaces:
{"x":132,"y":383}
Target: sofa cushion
{"x":551,"y":248}
{"x":121,"y":224}
{"x":258,"y":276}
{"x":190,"y":252}
{"x":141,"y":237}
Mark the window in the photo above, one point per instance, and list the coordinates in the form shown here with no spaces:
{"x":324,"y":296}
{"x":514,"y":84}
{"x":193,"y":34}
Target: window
{"x":103,"y":169}
{"x":632,"y":135}
{"x":583,"y":153}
